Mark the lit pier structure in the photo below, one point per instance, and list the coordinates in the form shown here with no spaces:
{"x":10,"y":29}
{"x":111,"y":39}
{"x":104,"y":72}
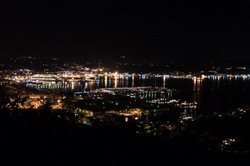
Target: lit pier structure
{"x":65,"y":76}
{"x":55,"y":81}
{"x":39,"y":78}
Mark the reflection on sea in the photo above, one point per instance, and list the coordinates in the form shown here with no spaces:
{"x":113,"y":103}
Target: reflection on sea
{"x":106,"y":82}
{"x":211,"y":94}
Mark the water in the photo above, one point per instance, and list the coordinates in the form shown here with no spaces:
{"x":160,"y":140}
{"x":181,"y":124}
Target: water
{"x":113,"y":83}
{"x":221,"y":95}
{"x":212,"y":95}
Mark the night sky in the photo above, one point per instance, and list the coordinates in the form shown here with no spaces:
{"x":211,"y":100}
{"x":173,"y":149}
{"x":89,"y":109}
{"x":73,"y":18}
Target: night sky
{"x":180,"y":30}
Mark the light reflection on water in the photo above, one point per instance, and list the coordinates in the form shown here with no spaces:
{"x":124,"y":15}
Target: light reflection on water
{"x":211,"y":94}
{"x":106,"y":82}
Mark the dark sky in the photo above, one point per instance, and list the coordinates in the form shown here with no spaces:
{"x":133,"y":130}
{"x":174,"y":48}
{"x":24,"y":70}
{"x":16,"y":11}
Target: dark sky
{"x":180,"y":30}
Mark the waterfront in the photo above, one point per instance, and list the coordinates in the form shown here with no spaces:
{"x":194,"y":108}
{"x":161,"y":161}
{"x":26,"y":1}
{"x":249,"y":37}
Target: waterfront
{"x":125,"y":83}
{"x":211,"y":94}
{"x":207,"y":116}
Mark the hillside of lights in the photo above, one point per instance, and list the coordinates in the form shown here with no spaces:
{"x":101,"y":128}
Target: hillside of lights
{"x":147,"y":102}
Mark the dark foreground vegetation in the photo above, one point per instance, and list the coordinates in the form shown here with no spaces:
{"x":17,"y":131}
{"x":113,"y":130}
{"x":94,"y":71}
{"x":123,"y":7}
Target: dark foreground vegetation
{"x":41,"y":137}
